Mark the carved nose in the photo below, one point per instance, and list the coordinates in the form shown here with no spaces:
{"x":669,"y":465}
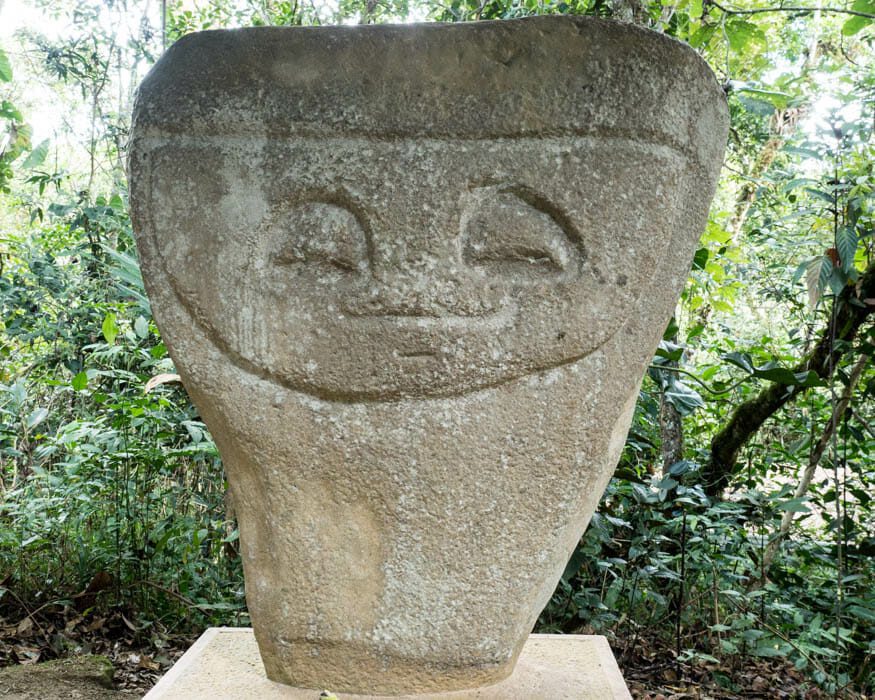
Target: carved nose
{"x":421,"y":297}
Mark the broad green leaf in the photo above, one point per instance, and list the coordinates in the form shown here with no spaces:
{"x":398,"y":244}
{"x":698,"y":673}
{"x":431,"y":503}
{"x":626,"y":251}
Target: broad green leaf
{"x":770,"y":651}
{"x":798,"y":182}
{"x":838,"y":280}
{"x":682,"y":467}
{"x":716,"y":234}
{"x":5,"y":68}
{"x":860,"y":611}
{"x":574,"y":564}
{"x":669,"y":351}
{"x":109,"y":328}
{"x":666,"y":483}
{"x":8,"y":111}
{"x":37,"y":156}
{"x":618,"y":522}
{"x":827,"y":197}
{"x":779,"y":100}
{"x":800,"y":270}
{"x":740,"y":32}
{"x":194,"y":432}
{"x":703,"y":35}
{"x":772,"y":372}
{"x":816,"y":277}
{"x":855,"y":24}
{"x":757,"y":105}
{"x":803,"y":151}
{"x":867,"y":6}
{"x":718,"y":274}
{"x":809,"y":378}
{"x":141,"y":327}
{"x":782,"y":375}
{"x":846,"y":244}
{"x":728,"y":646}
{"x":80,"y":381}
{"x":779,"y":375}
{"x":740,"y":359}
{"x":37,"y":416}
{"x":683,"y":397}
{"x":795,"y":505}
{"x":57,"y":209}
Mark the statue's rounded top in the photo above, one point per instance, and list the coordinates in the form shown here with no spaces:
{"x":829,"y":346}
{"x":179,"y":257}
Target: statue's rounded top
{"x":530,"y":77}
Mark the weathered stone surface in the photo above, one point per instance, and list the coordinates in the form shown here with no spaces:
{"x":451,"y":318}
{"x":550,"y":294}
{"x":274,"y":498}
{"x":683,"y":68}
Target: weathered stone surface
{"x":412,"y":277}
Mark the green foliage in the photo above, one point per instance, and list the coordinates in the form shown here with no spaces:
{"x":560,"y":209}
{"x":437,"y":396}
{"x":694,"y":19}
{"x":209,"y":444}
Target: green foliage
{"x":791,"y":231}
{"x":660,"y":557}
{"x":99,"y":476}
{"x":5,"y":68}
{"x":14,"y":133}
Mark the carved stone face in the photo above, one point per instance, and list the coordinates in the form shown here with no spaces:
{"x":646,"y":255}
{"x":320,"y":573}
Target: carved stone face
{"x":411,"y":277}
{"x":375,"y":268}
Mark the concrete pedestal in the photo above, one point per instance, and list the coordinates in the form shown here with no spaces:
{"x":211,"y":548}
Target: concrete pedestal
{"x":224,"y":664}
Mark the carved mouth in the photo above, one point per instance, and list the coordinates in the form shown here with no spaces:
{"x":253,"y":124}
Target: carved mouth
{"x":489,"y":322}
{"x":418,"y":355}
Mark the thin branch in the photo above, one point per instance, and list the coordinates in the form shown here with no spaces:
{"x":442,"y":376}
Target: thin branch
{"x":813,"y":461}
{"x":775,"y":631}
{"x":173,"y":594}
{"x":701,"y":382}
{"x":782,"y":8}
{"x":29,"y":613}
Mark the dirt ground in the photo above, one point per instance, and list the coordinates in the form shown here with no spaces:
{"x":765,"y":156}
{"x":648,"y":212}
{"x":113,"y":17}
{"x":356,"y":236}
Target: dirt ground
{"x":80,"y":677}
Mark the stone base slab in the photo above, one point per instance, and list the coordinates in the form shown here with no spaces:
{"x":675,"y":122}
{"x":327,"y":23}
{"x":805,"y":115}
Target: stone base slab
{"x":224,"y":664}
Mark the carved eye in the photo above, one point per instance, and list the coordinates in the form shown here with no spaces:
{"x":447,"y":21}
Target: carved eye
{"x":514,"y":235}
{"x":323,"y":234}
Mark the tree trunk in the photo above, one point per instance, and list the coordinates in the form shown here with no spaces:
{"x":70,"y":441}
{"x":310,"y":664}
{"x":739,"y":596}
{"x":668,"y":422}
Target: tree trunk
{"x":671,"y":431}
{"x":671,"y":427}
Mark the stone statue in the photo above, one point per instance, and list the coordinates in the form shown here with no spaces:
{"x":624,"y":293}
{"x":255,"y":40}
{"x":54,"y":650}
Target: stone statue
{"x":411,"y":277}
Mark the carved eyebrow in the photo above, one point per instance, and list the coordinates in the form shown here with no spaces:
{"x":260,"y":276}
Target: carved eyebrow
{"x":540,"y":203}
{"x":319,"y":210}
{"x":344,"y":200}
{"x":511,"y":240}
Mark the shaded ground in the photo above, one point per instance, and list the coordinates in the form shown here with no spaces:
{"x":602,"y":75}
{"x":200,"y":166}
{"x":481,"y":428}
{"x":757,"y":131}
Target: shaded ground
{"x":66,"y":655}
{"x":79,"y":678}
{"x":767,"y":681}
{"x":652,"y":674}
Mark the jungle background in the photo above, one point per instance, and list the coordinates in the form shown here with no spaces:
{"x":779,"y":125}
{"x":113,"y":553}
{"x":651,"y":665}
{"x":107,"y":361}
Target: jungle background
{"x":732,"y":554}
